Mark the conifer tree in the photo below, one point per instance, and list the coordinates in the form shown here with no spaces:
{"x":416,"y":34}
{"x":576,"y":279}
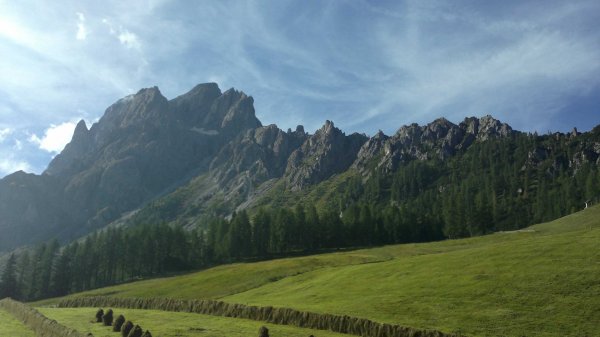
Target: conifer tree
{"x":8,"y":282}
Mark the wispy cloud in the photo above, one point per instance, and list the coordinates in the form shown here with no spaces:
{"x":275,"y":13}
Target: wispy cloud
{"x":366,"y":65}
{"x":10,"y":165}
{"x":82,"y":31}
{"x":129,"y":39}
{"x":4,"y":133}
{"x":125,"y":37}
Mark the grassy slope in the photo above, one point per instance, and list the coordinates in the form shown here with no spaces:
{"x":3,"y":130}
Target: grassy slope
{"x":10,"y":326}
{"x":545,"y":282}
{"x":170,"y":324}
{"x":540,"y":282}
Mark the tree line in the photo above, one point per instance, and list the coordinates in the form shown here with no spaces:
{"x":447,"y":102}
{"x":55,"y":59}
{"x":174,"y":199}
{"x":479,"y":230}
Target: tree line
{"x":117,"y":255}
{"x":499,"y":184}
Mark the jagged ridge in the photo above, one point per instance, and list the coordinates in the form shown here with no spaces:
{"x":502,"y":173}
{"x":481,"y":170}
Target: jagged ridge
{"x":212,"y":145}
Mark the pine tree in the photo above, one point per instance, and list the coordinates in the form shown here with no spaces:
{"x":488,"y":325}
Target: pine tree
{"x":61,"y":275}
{"x":240,"y":236}
{"x":261,"y":226}
{"x":8,"y":283}
{"x":299,"y":228}
{"x":314,"y":230}
{"x":24,"y":271}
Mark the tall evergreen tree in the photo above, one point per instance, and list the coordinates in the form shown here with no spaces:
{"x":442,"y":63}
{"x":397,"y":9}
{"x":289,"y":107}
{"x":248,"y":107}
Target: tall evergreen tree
{"x":261,"y":226}
{"x":9,"y":286}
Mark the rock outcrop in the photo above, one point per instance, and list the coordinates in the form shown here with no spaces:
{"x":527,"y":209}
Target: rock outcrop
{"x":327,"y":152}
{"x":143,"y":146}
{"x":207,"y":152}
{"x":439,"y":139}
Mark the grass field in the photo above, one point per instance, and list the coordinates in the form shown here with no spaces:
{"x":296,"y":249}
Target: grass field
{"x":11,"y":327}
{"x":543,"y":281}
{"x":171,"y":324}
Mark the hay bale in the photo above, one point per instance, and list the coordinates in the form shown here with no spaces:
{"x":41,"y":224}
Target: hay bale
{"x":147,"y":334}
{"x":135,"y":332}
{"x":107,"y":318}
{"x":263,"y":331}
{"x":126,"y":328}
{"x":99,"y":315}
{"x":118,"y":323}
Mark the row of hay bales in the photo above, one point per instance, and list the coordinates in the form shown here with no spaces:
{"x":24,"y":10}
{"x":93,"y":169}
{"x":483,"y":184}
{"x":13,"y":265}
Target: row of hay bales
{"x":126,"y":328}
{"x":40,"y":324}
{"x":336,"y":323}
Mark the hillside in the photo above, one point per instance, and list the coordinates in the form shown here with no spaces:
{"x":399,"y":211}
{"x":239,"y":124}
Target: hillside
{"x":541,"y":281}
{"x":205,"y":154}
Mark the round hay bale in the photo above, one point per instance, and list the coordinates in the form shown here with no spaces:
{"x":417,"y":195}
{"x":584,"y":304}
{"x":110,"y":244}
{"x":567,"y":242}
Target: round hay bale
{"x":126,"y":328}
{"x":263,"y":331}
{"x":118,"y":323}
{"x":107,"y":318}
{"x":147,"y":334}
{"x":99,"y":315}
{"x":135,"y":332}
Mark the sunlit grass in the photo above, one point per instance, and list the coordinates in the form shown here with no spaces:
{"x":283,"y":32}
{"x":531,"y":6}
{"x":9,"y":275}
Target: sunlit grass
{"x":174,"y":324}
{"x":543,"y":281}
{"x":11,"y":327}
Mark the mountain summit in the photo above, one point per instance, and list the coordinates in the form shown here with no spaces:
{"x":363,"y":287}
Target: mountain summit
{"x":143,"y":146}
{"x":205,"y":153}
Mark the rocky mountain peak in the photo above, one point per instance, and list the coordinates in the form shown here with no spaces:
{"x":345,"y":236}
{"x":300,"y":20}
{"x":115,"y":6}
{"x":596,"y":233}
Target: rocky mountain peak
{"x":485,"y":127}
{"x":192,"y":107}
{"x":327,"y":152}
{"x":379,"y":135}
{"x":328,"y":127}
{"x":81,"y":130}
{"x":204,"y":90}
{"x":437,"y":129}
{"x":370,"y":149}
{"x":438,"y":139}
{"x":146,"y":106}
{"x":144,"y":144}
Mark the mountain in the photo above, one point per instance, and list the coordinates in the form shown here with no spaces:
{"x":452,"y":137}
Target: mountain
{"x":204,"y":154}
{"x":143,"y":146}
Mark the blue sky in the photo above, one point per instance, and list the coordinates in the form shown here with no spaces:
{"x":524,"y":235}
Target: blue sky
{"x":366,"y":65}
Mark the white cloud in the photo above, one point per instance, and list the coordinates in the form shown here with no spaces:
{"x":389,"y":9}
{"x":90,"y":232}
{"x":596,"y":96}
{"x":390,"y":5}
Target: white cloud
{"x":5,"y":133}
{"x":18,"y":145}
{"x":55,"y":137}
{"x":10,"y":165}
{"x":125,"y":37}
{"x":129,"y":39}
{"x":82,"y":31}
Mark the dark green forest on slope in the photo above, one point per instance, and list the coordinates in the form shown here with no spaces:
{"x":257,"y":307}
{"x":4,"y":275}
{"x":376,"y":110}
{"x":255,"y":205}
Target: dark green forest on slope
{"x":496,"y":185}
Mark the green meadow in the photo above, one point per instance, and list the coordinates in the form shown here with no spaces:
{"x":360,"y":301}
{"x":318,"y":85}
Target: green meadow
{"x":541,"y":281}
{"x":175,"y":324}
{"x":11,"y":327}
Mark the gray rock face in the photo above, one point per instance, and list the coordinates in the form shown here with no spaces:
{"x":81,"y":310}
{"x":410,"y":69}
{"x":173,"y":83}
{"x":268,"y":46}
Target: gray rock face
{"x":439,"y":139}
{"x":374,"y":147}
{"x":262,"y":153}
{"x":143,"y":146}
{"x":212,"y":146}
{"x":327,"y":152}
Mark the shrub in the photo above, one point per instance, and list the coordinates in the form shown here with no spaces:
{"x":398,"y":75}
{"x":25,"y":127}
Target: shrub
{"x":99,"y":315}
{"x":118,"y":323}
{"x":135,"y":332}
{"x":107,"y":319}
{"x":127,"y":327}
{"x":263,"y":331}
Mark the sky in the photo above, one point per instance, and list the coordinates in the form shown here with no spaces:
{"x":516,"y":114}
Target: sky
{"x":366,"y":65}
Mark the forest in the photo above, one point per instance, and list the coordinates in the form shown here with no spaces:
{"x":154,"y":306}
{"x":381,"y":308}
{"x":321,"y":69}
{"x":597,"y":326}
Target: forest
{"x":496,"y":185}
